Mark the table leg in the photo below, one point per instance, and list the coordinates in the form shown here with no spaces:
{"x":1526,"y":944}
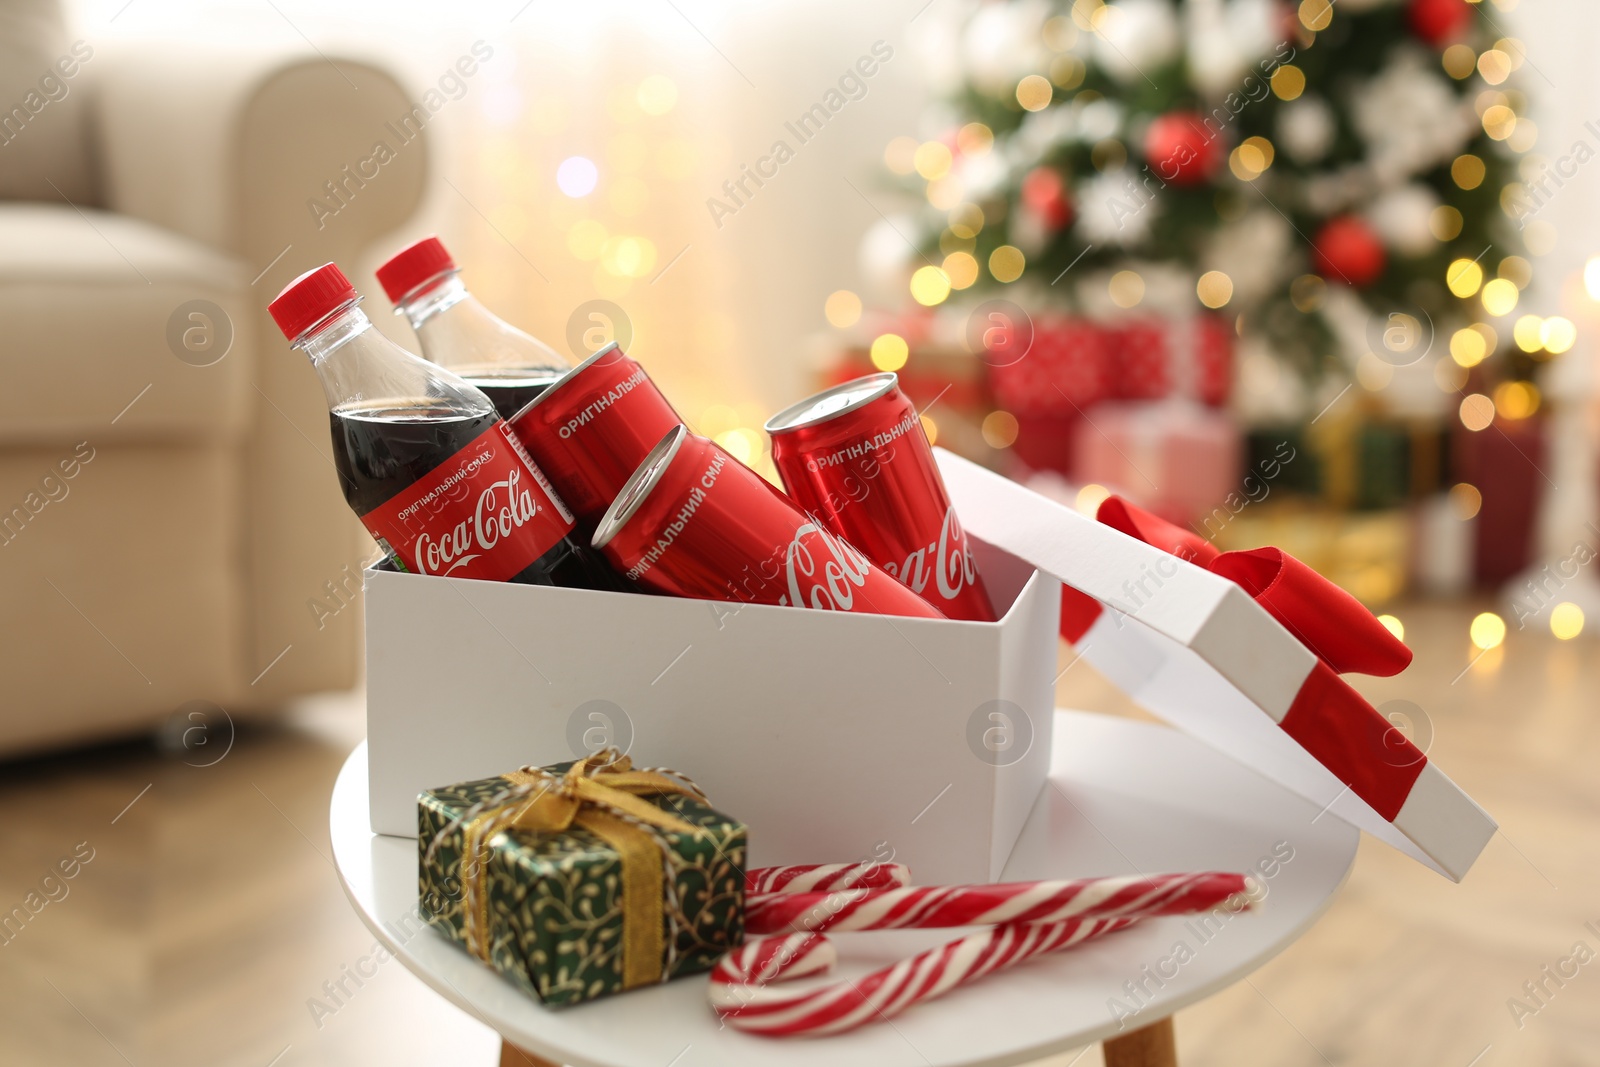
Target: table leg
{"x":1151,"y":1046}
{"x":512,"y":1056}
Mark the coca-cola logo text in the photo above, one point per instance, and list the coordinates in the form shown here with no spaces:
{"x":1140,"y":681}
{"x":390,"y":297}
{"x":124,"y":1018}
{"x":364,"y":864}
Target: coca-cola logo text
{"x":503,"y":506}
{"x":830,"y":582}
{"x":953,"y":568}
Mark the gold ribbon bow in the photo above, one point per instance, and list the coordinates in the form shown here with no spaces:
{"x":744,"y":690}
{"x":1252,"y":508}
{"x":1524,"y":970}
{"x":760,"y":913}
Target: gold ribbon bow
{"x":602,"y":794}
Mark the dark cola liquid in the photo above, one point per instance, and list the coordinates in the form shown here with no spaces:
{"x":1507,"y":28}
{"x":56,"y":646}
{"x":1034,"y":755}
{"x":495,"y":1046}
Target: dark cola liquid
{"x":511,"y":390}
{"x":381,"y":448}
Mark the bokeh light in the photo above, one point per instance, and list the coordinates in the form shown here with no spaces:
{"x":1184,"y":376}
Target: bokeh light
{"x":1214,"y":289}
{"x":842,"y":308}
{"x":1477,"y":412}
{"x":1126,"y":288}
{"x":1465,"y":501}
{"x":577,"y":176}
{"x":1394,"y":626}
{"x":999,"y":429}
{"x":1006,"y":263}
{"x":890,"y":351}
{"x":657,"y":94}
{"x":1557,"y":334}
{"x":1089,"y":499}
{"x":930,"y":286}
{"x":1488,"y":630}
{"x":1566,"y":620}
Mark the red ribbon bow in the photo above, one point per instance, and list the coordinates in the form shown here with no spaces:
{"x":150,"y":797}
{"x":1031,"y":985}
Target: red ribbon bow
{"x":1328,"y":718}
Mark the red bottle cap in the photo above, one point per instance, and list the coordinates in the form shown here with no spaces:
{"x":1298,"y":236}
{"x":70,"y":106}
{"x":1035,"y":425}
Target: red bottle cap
{"x":310,"y":298}
{"x":413,"y":267}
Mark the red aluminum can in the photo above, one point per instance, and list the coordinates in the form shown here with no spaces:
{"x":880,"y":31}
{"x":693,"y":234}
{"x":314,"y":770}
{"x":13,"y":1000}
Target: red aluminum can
{"x":695,"y":522}
{"x":590,"y":429}
{"x":855,"y":458}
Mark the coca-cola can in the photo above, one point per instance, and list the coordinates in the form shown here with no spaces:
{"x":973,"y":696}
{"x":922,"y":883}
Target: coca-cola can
{"x":695,"y":522}
{"x":855,"y":458}
{"x":590,"y":429}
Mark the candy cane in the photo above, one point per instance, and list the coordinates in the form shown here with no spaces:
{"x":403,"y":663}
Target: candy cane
{"x":1128,"y":896}
{"x":826,"y":877}
{"x":738,"y":983}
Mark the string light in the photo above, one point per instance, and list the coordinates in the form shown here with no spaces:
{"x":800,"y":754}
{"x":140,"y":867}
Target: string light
{"x":932,"y":160}
{"x":1477,"y":412}
{"x":1516,"y":400}
{"x":842,"y":308}
{"x":1288,"y":82}
{"x":1035,"y":92}
{"x":656,"y":95}
{"x":961,"y":268}
{"x":1591,"y":277}
{"x":1089,"y":499}
{"x":1566,"y":620}
{"x":1444,"y":222}
{"x":974,"y":139}
{"x":1467,"y":347}
{"x":1528,"y":333}
{"x":889,"y":351}
{"x":1459,"y":61}
{"x":999,"y":429}
{"x":1006,"y":263}
{"x":1467,"y":171}
{"x":1394,"y":626}
{"x":1557,"y":334}
{"x":1500,"y":297}
{"x":930,"y":428}
{"x":1464,"y":277}
{"x":1126,"y":288}
{"x":1214,"y":289}
{"x":577,"y":176}
{"x":930,"y":286}
{"x":1488,"y":630}
{"x":1465,"y":501}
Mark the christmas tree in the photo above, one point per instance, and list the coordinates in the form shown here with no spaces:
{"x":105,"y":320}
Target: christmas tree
{"x":1338,"y":179}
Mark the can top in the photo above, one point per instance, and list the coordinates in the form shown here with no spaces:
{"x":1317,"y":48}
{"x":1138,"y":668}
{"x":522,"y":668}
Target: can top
{"x":550,"y":389}
{"x":638,"y":486}
{"x":831,"y":403}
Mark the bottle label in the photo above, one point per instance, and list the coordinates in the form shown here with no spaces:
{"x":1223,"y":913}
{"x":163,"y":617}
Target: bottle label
{"x":486,"y":512}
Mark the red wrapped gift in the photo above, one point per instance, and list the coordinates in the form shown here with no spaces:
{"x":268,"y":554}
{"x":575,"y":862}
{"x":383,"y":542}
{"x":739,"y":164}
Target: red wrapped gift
{"x":1506,"y":462}
{"x":1065,"y":370}
{"x":1181,"y":459}
{"x":1190,"y":358}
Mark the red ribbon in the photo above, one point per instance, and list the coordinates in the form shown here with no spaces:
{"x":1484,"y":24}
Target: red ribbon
{"x":1328,"y":718}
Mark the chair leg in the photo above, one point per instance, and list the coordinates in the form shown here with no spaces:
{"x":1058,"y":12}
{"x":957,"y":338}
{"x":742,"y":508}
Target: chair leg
{"x":512,"y":1056}
{"x":1151,"y":1046}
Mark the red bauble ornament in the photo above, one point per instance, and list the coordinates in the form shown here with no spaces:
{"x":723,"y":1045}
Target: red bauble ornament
{"x":1440,"y":22}
{"x":1346,"y":250}
{"x":1179,"y":150}
{"x":1045,"y":195}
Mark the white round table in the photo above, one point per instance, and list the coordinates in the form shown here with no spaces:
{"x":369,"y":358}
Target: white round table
{"x":1123,"y":797}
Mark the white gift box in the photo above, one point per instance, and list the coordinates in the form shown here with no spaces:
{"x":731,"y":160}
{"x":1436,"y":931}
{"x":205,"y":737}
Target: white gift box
{"x":834,"y":736}
{"x":838,"y":736}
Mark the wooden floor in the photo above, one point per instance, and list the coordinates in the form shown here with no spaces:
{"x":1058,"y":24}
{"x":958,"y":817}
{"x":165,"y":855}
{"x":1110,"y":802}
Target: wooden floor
{"x":209,"y":918}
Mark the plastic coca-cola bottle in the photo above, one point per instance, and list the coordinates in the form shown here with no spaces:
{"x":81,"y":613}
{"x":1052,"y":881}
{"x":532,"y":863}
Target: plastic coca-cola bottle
{"x":434,"y":473}
{"x":459,"y":333}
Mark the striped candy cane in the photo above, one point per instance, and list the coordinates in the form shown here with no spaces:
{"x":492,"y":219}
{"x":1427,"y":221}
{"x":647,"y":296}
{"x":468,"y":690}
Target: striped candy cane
{"x":739,"y":992}
{"x":1129,"y":896}
{"x":826,"y":877}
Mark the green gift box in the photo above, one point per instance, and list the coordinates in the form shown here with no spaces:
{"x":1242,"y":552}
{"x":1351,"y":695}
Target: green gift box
{"x":583,"y":879}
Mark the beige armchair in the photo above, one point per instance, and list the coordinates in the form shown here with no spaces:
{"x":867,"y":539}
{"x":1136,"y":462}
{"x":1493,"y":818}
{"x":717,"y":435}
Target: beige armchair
{"x":170,"y":525}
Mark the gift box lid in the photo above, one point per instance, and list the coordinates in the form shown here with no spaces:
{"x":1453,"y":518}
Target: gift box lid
{"x":1196,"y":649}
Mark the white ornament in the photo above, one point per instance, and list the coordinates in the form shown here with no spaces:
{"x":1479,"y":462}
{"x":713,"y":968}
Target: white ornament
{"x":1135,"y":38}
{"x":1003,"y":43}
{"x":1409,"y":117}
{"x":1253,"y":253}
{"x":1114,"y":208}
{"x":1400,"y":217}
{"x":1306,"y":128}
{"x":1226,"y":39}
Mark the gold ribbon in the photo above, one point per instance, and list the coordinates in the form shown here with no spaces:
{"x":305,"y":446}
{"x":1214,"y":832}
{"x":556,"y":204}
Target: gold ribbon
{"x":601,"y":794}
